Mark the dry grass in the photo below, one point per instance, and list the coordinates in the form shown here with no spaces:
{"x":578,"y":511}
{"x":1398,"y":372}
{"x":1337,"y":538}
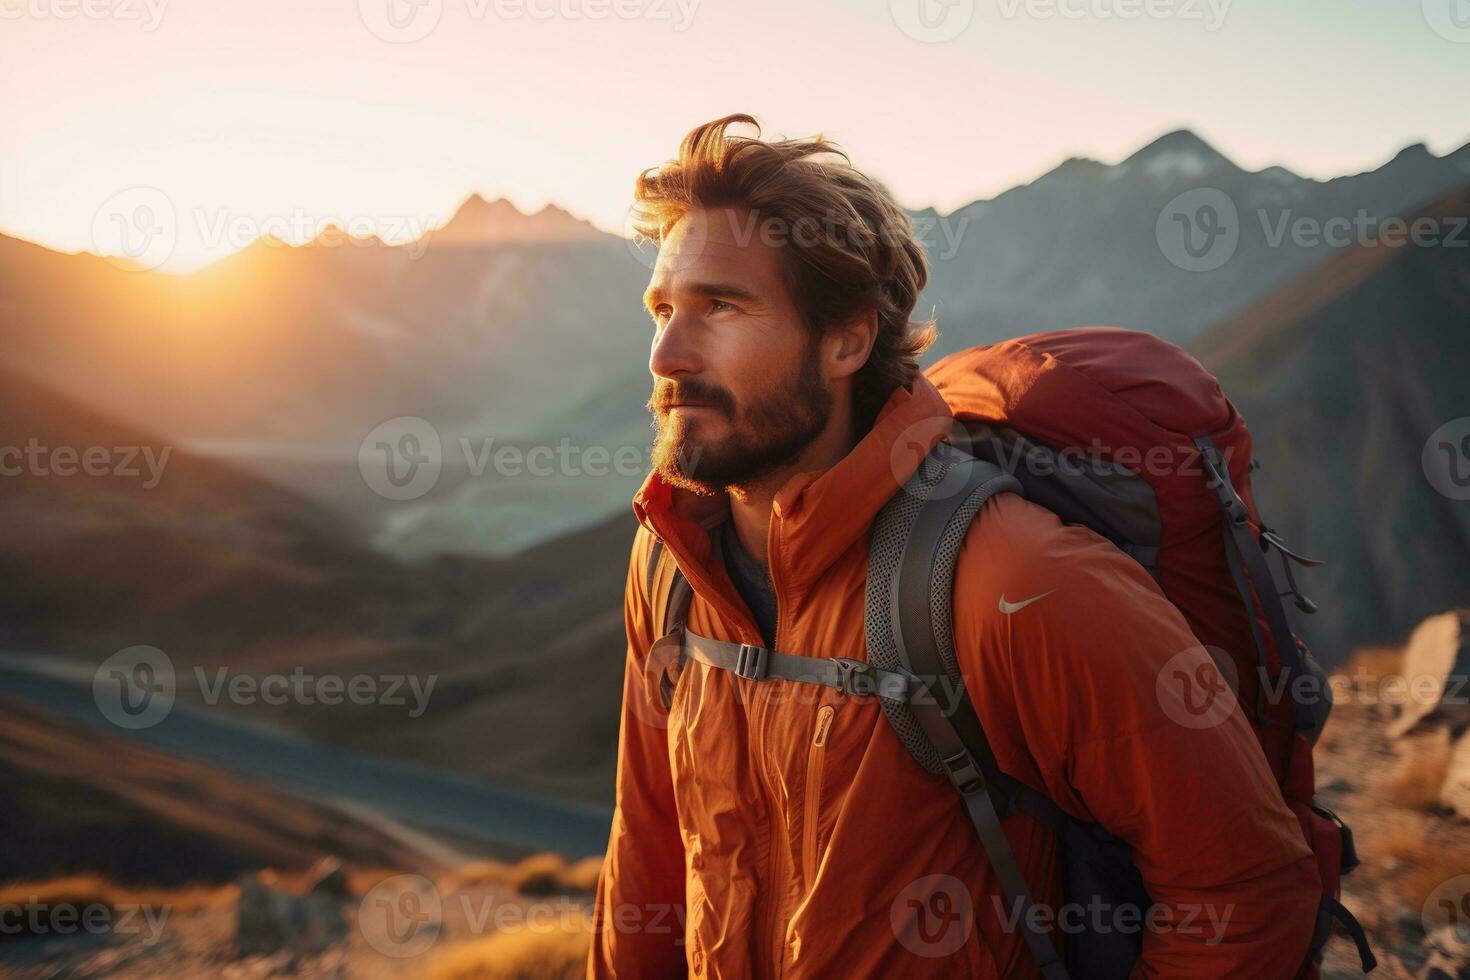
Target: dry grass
{"x":1418,"y":856}
{"x":530,"y":954}
{"x":86,"y":889}
{"x":539,"y":874}
{"x":80,"y":895}
{"x":1423,"y":763}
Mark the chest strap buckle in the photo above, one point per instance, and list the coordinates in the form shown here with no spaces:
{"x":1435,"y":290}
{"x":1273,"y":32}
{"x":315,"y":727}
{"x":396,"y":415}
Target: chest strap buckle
{"x":752,"y":662}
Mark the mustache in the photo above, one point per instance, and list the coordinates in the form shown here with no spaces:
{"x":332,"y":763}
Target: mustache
{"x":667,"y":394}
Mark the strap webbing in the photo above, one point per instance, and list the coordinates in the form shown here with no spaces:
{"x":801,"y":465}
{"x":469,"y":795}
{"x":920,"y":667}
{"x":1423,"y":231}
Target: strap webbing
{"x":1331,"y":910}
{"x":756,"y":663}
{"x":983,"y":815}
{"x":1241,"y":549}
{"x":957,"y":734}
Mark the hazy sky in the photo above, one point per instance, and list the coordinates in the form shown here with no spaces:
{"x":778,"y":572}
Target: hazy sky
{"x":250,"y":114}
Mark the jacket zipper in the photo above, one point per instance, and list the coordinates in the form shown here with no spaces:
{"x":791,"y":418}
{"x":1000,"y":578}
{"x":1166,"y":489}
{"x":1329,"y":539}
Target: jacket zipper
{"x":779,"y":841}
{"x":775,"y":888}
{"x":813,"y":796}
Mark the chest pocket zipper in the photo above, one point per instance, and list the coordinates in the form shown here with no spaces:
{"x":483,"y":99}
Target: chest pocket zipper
{"x":813,"y":796}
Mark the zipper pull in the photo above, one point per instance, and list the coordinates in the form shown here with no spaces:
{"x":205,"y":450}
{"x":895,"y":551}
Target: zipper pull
{"x":824,"y":725}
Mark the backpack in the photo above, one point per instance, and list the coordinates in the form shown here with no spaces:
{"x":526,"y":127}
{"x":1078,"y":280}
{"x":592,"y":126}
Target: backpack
{"x":1129,"y":436}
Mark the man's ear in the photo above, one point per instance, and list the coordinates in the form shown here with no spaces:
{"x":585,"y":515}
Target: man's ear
{"x":846,"y":347}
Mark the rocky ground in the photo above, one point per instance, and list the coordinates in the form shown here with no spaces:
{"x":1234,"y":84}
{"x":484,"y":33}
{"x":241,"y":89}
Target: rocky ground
{"x":491,"y":921}
{"x":1414,"y":849}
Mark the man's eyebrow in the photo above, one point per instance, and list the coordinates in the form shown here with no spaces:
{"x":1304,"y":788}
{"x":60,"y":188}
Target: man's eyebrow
{"x":721,"y":290}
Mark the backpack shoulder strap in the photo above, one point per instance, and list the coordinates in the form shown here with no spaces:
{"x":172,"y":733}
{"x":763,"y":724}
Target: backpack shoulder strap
{"x":950,"y":496}
{"x":669,"y":595}
{"x":669,"y":592}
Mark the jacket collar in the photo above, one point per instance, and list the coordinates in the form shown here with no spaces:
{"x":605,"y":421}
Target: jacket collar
{"x":817,"y":515}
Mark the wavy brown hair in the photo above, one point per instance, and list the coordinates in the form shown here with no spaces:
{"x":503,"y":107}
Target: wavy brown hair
{"x":848,"y":247}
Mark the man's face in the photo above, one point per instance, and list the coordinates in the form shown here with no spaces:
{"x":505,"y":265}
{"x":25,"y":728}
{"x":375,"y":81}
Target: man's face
{"x":738,"y":386}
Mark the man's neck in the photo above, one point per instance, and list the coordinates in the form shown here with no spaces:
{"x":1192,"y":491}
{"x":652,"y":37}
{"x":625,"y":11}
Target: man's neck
{"x":750,"y":504}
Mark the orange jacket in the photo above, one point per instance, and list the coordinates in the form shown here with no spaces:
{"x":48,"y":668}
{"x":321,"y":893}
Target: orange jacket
{"x":767,"y":829}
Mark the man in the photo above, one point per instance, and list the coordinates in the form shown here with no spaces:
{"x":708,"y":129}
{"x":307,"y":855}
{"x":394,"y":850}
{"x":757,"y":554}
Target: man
{"x":769,"y":828}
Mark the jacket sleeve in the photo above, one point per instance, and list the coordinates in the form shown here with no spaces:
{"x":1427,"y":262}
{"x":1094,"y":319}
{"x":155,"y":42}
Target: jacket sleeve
{"x":1085,"y":694}
{"x":639,"y":915}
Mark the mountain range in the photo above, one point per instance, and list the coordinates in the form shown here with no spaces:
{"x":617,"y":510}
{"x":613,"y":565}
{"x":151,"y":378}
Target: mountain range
{"x":504,"y":329}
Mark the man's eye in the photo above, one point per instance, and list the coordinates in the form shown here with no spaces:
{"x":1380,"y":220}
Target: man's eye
{"x":719,"y":305}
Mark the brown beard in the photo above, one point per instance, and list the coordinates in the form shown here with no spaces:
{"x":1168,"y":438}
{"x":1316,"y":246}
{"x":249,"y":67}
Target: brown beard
{"x":766,"y":434}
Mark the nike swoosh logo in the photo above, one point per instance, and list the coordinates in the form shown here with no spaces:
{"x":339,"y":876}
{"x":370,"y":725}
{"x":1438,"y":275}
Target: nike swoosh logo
{"x":1010,"y":607}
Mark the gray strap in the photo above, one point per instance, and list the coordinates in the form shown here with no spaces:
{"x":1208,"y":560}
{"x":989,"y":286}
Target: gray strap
{"x":979,"y":798}
{"x":756,"y":663}
{"x":983,"y":815}
{"x":957,"y":734}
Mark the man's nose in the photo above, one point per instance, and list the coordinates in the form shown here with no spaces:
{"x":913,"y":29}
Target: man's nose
{"x":674,"y":352}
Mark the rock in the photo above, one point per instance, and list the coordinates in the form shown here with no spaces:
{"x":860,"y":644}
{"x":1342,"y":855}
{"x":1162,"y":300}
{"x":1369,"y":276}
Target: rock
{"x":322,"y":907}
{"x":1436,"y":675}
{"x":269,"y":920}
{"x":266,"y":920}
{"x":328,"y":877}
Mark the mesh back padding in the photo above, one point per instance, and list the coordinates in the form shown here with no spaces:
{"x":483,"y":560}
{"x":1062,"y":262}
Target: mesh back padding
{"x":885,"y":550}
